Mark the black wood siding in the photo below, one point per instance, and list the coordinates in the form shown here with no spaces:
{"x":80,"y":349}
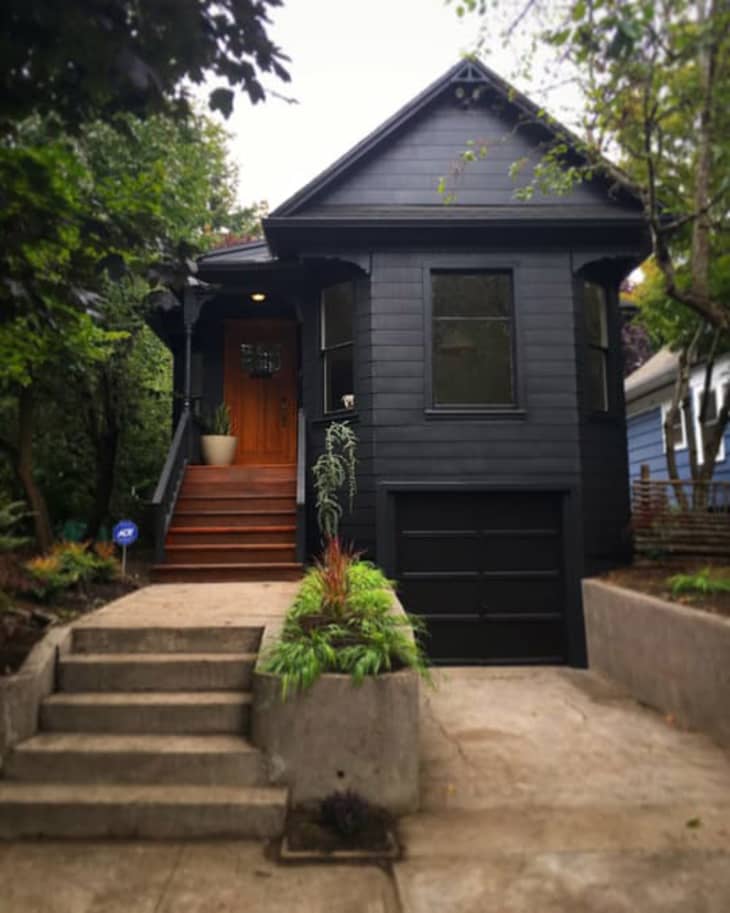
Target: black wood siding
{"x":408,"y":170}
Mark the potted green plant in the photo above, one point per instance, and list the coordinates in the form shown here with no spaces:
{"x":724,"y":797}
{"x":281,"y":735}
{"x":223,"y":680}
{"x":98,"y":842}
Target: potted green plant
{"x":336,"y":688}
{"x":217,"y":444}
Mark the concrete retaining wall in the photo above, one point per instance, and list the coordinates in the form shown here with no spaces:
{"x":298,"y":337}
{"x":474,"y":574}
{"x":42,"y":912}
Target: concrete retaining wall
{"x":338,"y":736}
{"x":672,"y":658}
{"x":21,"y":694}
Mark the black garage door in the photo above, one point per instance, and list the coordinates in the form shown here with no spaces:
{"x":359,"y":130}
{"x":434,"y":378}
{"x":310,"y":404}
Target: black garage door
{"x":485,"y":571}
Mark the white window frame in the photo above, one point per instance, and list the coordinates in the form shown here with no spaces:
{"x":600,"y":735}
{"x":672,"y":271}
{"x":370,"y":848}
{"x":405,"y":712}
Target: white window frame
{"x":719,"y":391}
{"x":682,"y":443}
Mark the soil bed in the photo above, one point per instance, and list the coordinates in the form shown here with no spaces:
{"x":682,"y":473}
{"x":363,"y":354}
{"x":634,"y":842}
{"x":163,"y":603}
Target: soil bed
{"x":309,"y":837}
{"x":22,"y":625}
{"x":653,"y":578}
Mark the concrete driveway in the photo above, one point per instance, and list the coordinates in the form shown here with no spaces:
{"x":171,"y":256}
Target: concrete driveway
{"x":544,"y":791}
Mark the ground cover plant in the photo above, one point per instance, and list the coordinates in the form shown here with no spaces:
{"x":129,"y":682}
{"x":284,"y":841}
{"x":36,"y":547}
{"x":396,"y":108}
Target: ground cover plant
{"x":691,"y":582}
{"x":705,"y":581}
{"x":71,"y":564}
{"x":342,"y":620}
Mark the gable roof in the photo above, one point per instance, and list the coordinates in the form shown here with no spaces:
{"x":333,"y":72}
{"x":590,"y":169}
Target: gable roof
{"x":469,"y":76}
{"x":655,"y":373}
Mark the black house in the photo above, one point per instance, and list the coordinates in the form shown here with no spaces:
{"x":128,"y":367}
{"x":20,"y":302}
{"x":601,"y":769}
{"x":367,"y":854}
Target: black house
{"x":475,"y":349}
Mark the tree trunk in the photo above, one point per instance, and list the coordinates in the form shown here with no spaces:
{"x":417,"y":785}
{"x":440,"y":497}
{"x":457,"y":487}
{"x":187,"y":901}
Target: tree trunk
{"x":24,"y":471}
{"x":106,"y":444}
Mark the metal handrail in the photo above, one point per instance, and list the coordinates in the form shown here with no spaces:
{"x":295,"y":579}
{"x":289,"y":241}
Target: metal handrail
{"x":301,"y":515}
{"x":168,"y":487}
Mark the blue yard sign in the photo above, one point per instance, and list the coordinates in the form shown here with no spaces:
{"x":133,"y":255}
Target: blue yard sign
{"x":125,"y":533}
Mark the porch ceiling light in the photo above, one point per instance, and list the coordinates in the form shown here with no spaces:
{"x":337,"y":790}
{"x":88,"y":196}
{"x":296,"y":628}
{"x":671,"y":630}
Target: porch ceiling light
{"x":258,"y":297}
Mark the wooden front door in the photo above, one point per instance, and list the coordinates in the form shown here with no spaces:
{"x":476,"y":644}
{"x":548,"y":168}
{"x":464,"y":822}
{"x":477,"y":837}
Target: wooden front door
{"x":260,"y":389}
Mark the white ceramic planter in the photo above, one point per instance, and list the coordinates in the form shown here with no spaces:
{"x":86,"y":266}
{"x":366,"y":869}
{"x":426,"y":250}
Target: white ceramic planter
{"x":218,"y":449}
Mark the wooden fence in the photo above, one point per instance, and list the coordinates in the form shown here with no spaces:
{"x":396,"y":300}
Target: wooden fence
{"x":680,"y":518}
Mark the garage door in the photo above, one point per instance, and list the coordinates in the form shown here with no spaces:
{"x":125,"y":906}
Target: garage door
{"x":485,"y":572}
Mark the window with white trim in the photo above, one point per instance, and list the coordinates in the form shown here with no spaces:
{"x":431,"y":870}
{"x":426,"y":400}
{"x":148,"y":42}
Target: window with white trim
{"x":678,"y":432}
{"x":336,"y":347}
{"x":714,"y":404}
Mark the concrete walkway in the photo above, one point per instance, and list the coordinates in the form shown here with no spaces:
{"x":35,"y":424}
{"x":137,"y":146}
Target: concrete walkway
{"x":544,"y":791}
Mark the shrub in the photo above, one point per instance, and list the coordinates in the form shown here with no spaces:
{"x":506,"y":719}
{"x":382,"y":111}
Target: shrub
{"x":106,"y":564}
{"x":71,"y":563}
{"x":48,"y":576}
{"x":345,"y":812}
{"x":342,"y":621}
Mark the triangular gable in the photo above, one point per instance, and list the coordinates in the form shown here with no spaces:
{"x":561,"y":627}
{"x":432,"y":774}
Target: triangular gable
{"x":461,"y":86}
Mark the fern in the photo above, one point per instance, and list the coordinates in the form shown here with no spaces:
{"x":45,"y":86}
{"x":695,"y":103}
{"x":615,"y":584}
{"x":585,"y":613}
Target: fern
{"x":333,"y":470}
{"x":703,"y":582}
{"x":10,"y":515}
{"x":364,"y":638}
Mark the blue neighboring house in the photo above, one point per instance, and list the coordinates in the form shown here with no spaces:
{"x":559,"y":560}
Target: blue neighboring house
{"x":648,"y":393}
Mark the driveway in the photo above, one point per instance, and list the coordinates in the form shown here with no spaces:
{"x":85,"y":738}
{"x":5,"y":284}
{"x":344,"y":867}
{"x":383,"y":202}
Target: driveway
{"x":544,"y":791}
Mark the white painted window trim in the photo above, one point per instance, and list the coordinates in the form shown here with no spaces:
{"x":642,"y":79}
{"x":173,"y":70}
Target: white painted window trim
{"x":682,"y":443}
{"x":719,"y":389}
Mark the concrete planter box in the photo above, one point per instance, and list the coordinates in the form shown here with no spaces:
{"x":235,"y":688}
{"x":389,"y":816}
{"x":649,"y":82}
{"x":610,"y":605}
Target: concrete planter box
{"x":672,"y":658}
{"x":21,"y":694}
{"x":338,"y":736}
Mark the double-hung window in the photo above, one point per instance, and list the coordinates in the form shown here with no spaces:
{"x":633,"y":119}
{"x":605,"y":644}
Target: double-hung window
{"x":596,"y":317}
{"x":472,"y":339}
{"x":336,"y":347}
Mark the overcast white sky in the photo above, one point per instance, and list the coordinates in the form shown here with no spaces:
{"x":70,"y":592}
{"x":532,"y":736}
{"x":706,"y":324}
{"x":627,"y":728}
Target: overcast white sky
{"x":353,"y":63}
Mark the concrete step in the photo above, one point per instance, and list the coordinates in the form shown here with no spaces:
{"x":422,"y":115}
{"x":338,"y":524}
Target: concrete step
{"x":113,"y":639}
{"x":147,"y":712}
{"x":133,"y":811}
{"x":220,"y":573}
{"x":216,"y":760}
{"x":203,"y":516}
{"x":269,"y":553}
{"x":231,"y":535}
{"x":156,"y":671}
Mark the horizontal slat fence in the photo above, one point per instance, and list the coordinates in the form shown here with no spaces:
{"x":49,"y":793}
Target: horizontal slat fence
{"x":681,"y":518}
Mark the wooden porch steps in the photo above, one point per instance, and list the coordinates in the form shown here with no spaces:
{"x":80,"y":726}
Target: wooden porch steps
{"x":232,"y":523}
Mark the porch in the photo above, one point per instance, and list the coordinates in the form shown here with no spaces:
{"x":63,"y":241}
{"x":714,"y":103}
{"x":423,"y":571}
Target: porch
{"x":246,"y":337}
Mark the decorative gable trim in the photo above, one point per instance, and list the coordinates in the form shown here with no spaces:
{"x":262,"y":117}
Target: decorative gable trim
{"x":471,"y":78}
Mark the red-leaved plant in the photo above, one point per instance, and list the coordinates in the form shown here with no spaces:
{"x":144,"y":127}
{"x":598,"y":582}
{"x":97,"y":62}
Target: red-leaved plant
{"x":332,"y":570}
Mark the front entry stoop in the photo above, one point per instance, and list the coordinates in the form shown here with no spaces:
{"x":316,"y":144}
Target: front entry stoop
{"x":146,"y":737}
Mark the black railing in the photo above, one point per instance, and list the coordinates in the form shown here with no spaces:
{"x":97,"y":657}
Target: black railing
{"x":301,"y":486}
{"x":165,"y":496}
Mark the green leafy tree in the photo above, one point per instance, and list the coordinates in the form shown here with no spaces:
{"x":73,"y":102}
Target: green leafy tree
{"x":84,"y":59}
{"x":696,"y":342}
{"x":654,"y":78}
{"x":124,"y":195}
